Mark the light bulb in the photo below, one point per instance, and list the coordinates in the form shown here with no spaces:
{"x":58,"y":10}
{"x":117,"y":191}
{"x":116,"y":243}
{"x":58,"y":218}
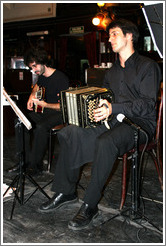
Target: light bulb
{"x":100,"y":4}
{"x":96,"y":21}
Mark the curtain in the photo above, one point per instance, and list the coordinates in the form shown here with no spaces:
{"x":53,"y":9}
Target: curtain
{"x":90,"y":44}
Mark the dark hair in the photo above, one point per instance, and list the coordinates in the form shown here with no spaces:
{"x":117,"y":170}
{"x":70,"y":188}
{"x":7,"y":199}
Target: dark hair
{"x":126,"y":26}
{"x":38,"y":55}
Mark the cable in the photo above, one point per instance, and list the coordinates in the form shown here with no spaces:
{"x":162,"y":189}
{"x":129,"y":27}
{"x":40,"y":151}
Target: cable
{"x":152,"y":200}
{"x":123,"y":226}
{"x":138,"y":237}
{"x":145,"y":145}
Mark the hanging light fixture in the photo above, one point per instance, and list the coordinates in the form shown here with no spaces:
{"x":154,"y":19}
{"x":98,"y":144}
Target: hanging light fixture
{"x":101,"y":4}
{"x":102,"y":19}
{"x":98,"y":19}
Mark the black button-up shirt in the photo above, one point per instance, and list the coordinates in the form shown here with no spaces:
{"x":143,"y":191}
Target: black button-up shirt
{"x":135,"y":88}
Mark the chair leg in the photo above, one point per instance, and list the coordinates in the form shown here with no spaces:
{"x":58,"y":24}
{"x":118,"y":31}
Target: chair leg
{"x":160,"y":163}
{"x":157,"y":164}
{"x":124,"y":181}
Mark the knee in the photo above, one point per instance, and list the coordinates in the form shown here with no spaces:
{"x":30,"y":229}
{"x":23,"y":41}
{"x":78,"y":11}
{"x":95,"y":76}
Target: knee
{"x":41,"y":128}
{"x":106,"y":144}
{"x":69,"y":131}
{"x":104,"y":140}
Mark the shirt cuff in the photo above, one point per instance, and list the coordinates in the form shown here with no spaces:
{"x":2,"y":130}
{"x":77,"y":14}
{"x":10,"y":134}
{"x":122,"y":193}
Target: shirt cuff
{"x":116,"y":108}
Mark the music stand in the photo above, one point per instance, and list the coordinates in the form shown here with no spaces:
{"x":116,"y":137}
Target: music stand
{"x":19,"y":180}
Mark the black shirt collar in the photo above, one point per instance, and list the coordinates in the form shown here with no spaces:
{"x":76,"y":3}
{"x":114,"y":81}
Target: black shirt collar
{"x":130,"y":62}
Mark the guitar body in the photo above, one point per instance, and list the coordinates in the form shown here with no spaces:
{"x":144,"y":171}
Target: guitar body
{"x":40,"y":95}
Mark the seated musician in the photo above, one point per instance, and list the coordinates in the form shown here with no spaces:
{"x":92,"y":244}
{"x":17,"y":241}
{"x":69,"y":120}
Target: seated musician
{"x":53,"y":81}
{"x":134,"y":80}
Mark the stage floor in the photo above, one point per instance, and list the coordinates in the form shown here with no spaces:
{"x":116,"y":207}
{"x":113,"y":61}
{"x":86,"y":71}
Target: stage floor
{"x":29,"y":226}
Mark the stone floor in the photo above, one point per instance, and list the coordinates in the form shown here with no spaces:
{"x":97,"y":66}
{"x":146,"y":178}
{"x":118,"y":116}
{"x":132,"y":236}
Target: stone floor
{"x":110,"y":227}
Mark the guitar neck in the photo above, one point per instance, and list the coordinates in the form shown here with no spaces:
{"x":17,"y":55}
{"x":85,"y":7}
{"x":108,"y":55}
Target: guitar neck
{"x":40,"y":94}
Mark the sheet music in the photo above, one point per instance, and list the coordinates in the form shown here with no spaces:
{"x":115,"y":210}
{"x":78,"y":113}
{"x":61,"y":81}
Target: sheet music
{"x":18,"y":112}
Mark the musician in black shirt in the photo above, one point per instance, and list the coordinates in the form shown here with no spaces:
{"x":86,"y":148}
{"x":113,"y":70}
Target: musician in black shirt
{"x":53,"y":81}
{"x":135,"y":82}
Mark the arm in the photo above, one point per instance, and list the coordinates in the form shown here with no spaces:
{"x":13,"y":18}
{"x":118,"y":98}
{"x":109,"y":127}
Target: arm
{"x":136,"y":95}
{"x":47,"y":105}
{"x":141,"y":103}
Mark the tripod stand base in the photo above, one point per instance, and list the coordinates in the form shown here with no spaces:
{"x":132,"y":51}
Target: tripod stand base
{"x":18,"y":186}
{"x":134,"y":216}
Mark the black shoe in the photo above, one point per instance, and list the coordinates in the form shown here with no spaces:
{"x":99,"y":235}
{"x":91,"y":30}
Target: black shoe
{"x":56,"y":202}
{"x":13,"y":169}
{"x":83,"y":218}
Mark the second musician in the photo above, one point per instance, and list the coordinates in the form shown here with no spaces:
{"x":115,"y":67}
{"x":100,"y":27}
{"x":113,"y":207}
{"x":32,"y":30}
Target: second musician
{"x":53,"y":81}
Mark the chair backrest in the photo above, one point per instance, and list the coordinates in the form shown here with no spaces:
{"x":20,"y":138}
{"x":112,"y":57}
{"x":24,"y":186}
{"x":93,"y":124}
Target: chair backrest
{"x":160,"y":116}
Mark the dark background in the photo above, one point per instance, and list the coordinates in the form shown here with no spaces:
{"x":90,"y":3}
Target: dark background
{"x":70,"y":53}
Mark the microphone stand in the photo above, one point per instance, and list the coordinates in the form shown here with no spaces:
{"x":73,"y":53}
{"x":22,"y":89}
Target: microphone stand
{"x":134,"y":177}
{"x":133,"y":210}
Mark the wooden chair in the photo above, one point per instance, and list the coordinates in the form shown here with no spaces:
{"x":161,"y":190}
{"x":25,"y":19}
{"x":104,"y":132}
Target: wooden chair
{"x":53,"y":131}
{"x":153,"y":148}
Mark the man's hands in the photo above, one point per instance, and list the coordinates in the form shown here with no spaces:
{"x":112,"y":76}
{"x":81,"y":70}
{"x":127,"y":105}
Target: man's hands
{"x":40,"y":103}
{"x":33,"y":100}
{"x":31,"y":97}
{"x":103,"y":111}
{"x":30,"y":102}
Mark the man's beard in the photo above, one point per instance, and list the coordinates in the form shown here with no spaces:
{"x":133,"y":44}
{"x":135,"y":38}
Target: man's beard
{"x":41,"y":71}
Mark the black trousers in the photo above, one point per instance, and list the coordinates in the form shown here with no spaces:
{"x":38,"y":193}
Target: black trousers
{"x":36,"y":140}
{"x":97,"y":145}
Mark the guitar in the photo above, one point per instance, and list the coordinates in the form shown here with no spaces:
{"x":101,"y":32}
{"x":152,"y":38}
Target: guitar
{"x":40,"y":95}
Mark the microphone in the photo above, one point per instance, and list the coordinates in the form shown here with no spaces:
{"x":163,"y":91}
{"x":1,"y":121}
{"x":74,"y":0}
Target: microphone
{"x":123,"y":118}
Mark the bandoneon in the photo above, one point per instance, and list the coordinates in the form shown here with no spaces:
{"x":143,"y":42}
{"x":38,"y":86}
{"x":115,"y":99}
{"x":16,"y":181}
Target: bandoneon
{"x":77,"y":104}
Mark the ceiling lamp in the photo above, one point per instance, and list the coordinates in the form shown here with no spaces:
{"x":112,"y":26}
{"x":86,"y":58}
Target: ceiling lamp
{"x":101,"y":4}
{"x":98,"y":19}
{"x":101,"y":20}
